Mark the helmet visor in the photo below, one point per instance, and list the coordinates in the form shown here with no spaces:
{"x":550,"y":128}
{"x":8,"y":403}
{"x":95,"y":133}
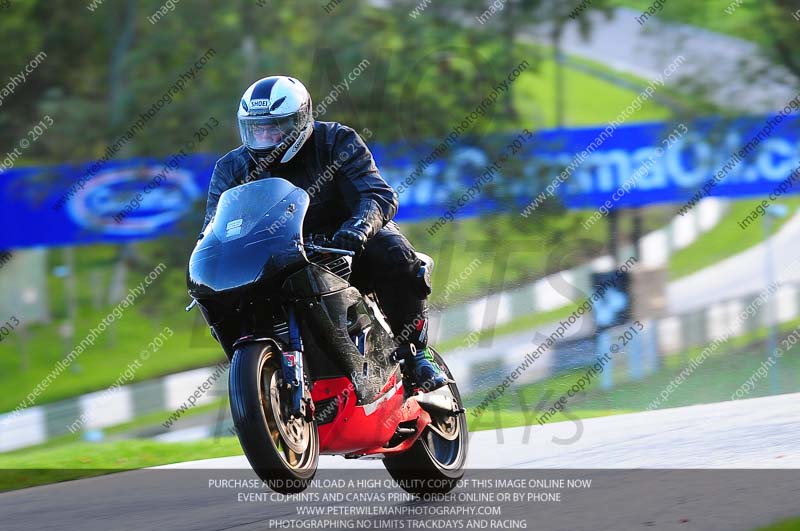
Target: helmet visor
{"x":264,"y":132}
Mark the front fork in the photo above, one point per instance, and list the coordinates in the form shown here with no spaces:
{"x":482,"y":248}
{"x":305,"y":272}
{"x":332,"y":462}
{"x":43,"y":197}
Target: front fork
{"x":292,"y":366}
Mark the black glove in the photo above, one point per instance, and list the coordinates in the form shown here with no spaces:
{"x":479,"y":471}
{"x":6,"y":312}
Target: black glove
{"x":350,"y":239}
{"x":354,"y":233}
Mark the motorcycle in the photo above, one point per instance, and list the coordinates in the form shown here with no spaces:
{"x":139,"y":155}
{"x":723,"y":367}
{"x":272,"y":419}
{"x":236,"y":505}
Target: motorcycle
{"x":315,"y":368}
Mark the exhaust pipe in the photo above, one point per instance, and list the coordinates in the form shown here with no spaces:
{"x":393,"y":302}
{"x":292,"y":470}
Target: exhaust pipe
{"x":439,"y":401}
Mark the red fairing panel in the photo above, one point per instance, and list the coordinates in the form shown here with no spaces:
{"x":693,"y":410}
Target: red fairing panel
{"x":358,"y":429}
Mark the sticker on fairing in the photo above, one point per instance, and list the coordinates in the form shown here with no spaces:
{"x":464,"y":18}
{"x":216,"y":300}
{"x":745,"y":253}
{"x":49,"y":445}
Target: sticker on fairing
{"x":234,"y":228}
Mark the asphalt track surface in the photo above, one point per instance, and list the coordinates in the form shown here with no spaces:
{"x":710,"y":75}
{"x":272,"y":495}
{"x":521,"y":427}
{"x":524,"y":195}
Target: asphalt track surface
{"x":726,"y":466}
{"x":741,"y":274}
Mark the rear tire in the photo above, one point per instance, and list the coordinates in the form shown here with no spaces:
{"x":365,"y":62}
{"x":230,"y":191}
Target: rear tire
{"x":434,"y":464}
{"x":283,"y":452}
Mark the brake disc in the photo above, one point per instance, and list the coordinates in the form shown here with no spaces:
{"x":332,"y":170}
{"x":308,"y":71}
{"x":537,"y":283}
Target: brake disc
{"x":295,"y":431}
{"x":446,"y":425}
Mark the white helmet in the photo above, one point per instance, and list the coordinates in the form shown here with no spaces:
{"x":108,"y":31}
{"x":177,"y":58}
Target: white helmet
{"x":275,"y":118}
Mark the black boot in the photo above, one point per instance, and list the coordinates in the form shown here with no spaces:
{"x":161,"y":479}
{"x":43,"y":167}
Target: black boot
{"x":420,"y":364}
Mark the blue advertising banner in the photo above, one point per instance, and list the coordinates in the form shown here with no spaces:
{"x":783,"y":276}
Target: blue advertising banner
{"x":40,"y":206}
{"x":669,"y":163}
{"x":659,"y":162}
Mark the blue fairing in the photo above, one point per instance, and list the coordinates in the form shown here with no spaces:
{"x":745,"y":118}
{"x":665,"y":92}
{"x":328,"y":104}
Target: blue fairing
{"x":255,"y":236}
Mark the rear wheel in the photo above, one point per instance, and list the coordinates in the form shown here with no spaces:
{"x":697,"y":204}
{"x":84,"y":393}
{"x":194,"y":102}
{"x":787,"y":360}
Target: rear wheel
{"x":435,"y":463}
{"x":282,"y":449}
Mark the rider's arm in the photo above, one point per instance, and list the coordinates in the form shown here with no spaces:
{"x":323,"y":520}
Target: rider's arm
{"x":215,"y":190}
{"x":368,"y":196}
{"x":221,"y":180}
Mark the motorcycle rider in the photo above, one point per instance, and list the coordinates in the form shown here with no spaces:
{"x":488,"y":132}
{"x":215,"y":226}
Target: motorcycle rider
{"x":350,"y":201}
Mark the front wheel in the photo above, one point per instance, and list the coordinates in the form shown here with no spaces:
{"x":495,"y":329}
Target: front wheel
{"x":435,"y":462}
{"x":282,"y":449}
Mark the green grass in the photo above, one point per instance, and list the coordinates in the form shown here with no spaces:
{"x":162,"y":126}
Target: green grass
{"x":496,"y":418}
{"x":726,"y":238}
{"x":23,"y":469}
{"x":587,"y":99}
{"x":119,"y":455}
{"x":676,"y":99}
{"x":25,"y":360}
{"x":786,"y":525}
{"x":98,"y":367}
{"x":521,"y":324}
{"x":128,"y":430}
{"x":715,"y":380}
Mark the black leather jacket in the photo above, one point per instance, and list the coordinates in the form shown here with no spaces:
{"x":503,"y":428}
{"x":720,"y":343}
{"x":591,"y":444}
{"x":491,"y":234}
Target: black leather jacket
{"x":334,"y":166}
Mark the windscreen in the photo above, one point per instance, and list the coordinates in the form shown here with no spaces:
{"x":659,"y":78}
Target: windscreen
{"x":254,"y":237}
{"x":242,"y":208}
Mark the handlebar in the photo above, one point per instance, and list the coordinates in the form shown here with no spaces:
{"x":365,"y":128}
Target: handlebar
{"x":320,"y":249}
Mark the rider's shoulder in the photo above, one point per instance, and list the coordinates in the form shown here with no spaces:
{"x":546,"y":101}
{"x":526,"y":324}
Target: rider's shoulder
{"x":233,"y":156}
{"x":330,"y":130}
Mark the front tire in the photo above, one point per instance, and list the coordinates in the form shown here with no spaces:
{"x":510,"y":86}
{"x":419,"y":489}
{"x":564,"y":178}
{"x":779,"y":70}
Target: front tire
{"x":283,"y":451}
{"x":435,"y":462}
